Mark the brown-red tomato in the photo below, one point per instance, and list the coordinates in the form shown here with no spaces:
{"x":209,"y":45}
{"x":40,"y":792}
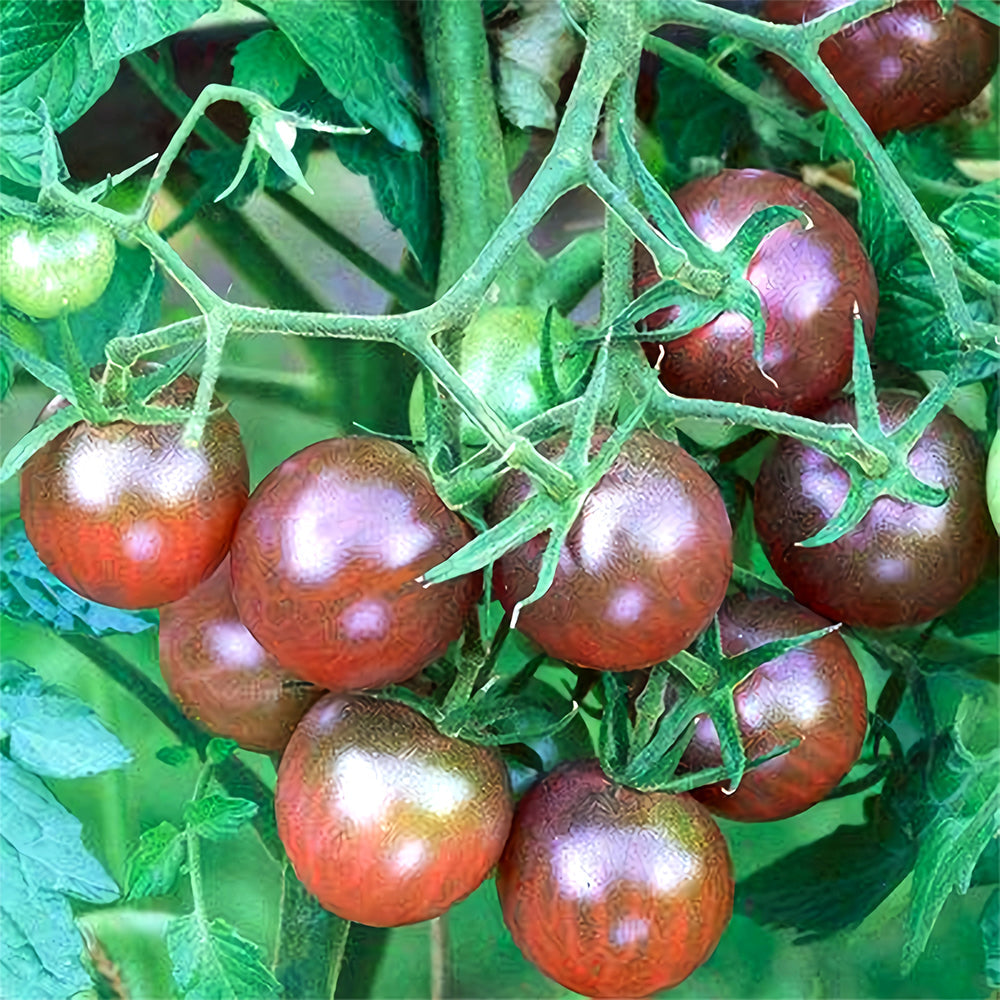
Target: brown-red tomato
{"x":386,"y":821}
{"x":808,"y":279}
{"x":814,"y":693}
{"x":645,"y":565}
{"x":902,"y":67}
{"x":125,"y":513}
{"x":221,"y":676}
{"x":326,"y":558}
{"x":613,"y":892}
{"x":904,"y":563}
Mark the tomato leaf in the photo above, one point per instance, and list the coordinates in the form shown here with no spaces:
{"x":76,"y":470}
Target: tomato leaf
{"x":153,"y":865}
{"x":212,"y":961}
{"x":989,"y":924}
{"x":52,"y":733}
{"x":268,"y":64}
{"x":218,"y":817}
{"x":973,"y":222}
{"x":613,"y":734}
{"x":840,"y":879}
{"x":358,"y":50}
{"x":963,"y":789}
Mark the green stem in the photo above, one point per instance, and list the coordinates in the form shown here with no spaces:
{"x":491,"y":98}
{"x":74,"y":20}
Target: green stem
{"x":194,"y":854}
{"x":472,"y":167}
{"x":571,"y":273}
{"x":702,"y":69}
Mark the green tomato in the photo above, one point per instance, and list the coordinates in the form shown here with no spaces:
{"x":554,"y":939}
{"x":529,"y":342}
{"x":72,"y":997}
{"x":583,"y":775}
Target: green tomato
{"x":56,"y":266}
{"x":993,"y":481}
{"x":500,"y":359}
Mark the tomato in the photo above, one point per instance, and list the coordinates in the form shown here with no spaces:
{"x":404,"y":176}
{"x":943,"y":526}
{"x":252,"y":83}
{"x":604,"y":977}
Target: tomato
{"x":613,"y":892}
{"x":902,"y":67}
{"x":326,"y":558}
{"x":814,"y":693}
{"x":808,"y":280}
{"x":500,"y":359}
{"x":126,"y":514}
{"x":385,"y":820}
{"x":61,"y":265}
{"x":645,"y":566}
{"x":904,"y":563}
{"x":993,"y":481}
{"x":221,"y":676}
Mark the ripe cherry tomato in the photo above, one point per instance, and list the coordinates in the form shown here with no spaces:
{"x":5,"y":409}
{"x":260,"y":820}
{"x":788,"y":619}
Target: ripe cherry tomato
{"x":905,"y":563}
{"x":126,"y":514}
{"x":500,"y":358}
{"x":613,"y":892}
{"x":385,"y":820}
{"x":326,"y":558}
{"x":808,"y":280}
{"x":902,"y":67}
{"x":645,"y":566}
{"x":814,"y":693}
{"x":62,"y":265}
{"x":221,"y":676}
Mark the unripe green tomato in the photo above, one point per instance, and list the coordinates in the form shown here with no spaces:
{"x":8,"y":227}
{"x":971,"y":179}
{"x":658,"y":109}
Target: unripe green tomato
{"x":500,"y":359}
{"x":993,"y":481}
{"x":48,"y":268}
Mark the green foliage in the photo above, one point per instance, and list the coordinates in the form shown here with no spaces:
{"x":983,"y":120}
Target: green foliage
{"x":68,"y":59}
{"x":155,"y":864}
{"x":218,"y":817}
{"x":211,"y":961}
{"x":42,"y":856}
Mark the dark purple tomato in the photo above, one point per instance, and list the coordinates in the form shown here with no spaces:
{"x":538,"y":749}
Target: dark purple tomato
{"x":808,"y":280}
{"x":613,"y":892}
{"x":645,"y":566}
{"x":814,"y":693}
{"x":221,"y":676}
{"x":326,"y":558}
{"x":125,"y":514}
{"x":386,"y":821}
{"x":904,"y":563}
{"x":902,"y":67}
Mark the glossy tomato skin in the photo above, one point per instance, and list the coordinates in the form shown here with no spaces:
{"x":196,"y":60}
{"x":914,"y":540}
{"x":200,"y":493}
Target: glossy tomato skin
{"x":386,"y":821}
{"x":903,"y":563}
{"x":814,"y":693}
{"x":222,"y":677}
{"x":613,"y":892}
{"x":645,"y":566}
{"x":902,"y":67}
{"x":808,"y":280}
{"x":126,"y":514}
{"x":49,"y":268}
{"x":326,"y":558}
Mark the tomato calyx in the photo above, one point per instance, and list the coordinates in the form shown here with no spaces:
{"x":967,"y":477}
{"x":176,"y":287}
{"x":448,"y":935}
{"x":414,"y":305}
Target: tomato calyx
{"x":467,"y":698}
{"x":640,"y":745}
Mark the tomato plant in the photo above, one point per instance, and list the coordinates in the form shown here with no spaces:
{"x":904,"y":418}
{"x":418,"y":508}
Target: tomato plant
{"x":904,"y":563}
{"x":221,"y":676}
{"x":902,"y":67}
{"x":61,"y":265}
{"x":643,"y":570}
{"x":387,"y":821}
{"x":126,"y":514}
{"x":500,"y":358}
{"x":808,"y":278}
{"x":315,"y":205}
{"x":613,"y":892}
{"x":326,"y":558}
{"x":814,"y":694}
